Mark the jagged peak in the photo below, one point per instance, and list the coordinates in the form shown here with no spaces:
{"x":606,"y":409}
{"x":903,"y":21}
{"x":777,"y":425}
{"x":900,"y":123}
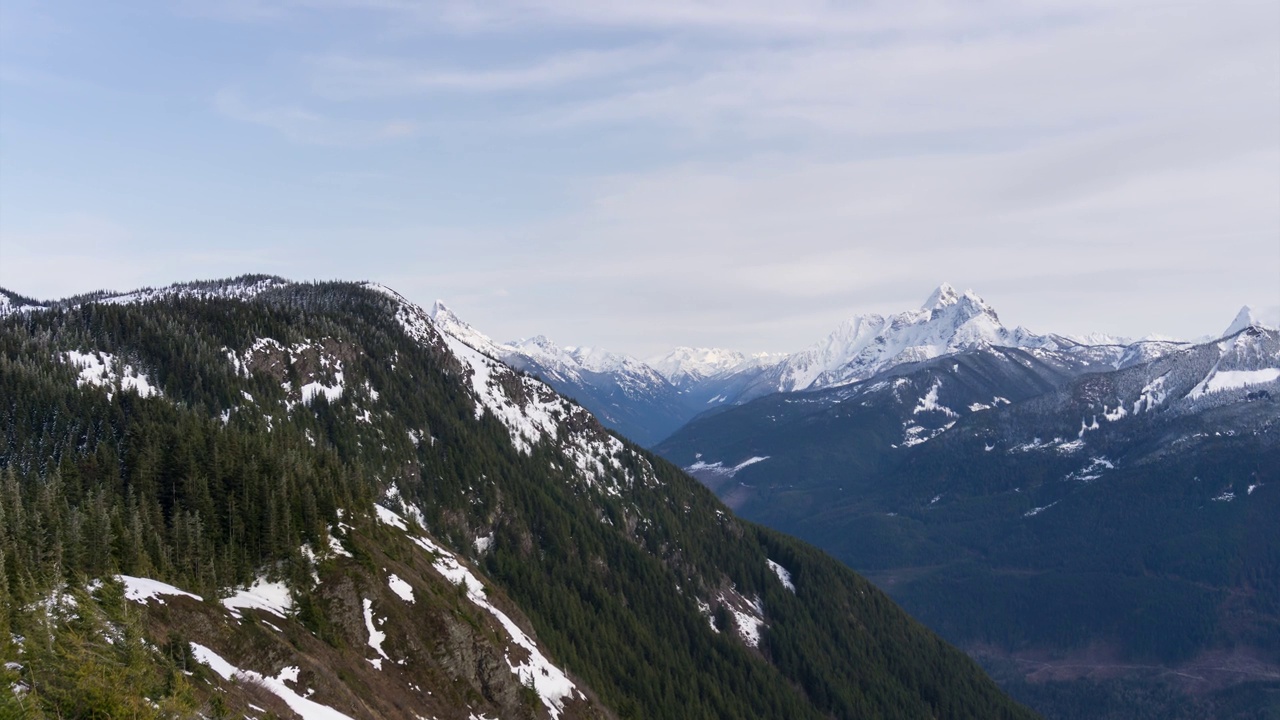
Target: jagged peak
{"x":943,"y":296}
{"x":448,"y":322}
{"x":946,"y":296}
{"x":1250,"y":316}
{"x":441,"y":311}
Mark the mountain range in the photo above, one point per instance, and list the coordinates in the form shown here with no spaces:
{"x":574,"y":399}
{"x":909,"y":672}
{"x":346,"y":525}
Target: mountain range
{"x":257,"y":498}
{"x":647,"y":400}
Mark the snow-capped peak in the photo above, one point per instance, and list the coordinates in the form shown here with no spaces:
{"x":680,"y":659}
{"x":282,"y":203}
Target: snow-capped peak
{"x":441,"y":312}
{"x":943,"y":296}
{"x":867,"y":344}
{"x":1248,"y":317}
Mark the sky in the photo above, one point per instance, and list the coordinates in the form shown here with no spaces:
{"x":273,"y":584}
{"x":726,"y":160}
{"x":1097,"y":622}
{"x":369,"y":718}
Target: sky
{"x":641,"y":175}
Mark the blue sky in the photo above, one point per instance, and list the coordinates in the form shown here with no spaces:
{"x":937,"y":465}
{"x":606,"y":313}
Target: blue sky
{"x":642,"y":175}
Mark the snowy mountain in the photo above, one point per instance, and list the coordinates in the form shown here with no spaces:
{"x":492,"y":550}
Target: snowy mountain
{"x":647,"y":401}
{"x":1029,"y":510}
{"x":948,"y":322}
{"x":865,"y":345}
{"x":687,"y":367}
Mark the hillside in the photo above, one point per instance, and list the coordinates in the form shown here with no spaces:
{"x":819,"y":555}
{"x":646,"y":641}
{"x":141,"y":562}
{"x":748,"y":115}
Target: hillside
{"x":256,"y":497}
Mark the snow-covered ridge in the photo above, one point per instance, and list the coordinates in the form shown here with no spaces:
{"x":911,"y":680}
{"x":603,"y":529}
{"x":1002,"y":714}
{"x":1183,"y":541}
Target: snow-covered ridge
{"x":685,"y":365}
{"x":239,"y":289}
{"x":242,"y":288}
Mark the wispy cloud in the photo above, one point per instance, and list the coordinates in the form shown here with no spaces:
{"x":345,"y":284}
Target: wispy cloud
{"x":731,"y":166}
{"x":347,"y":77}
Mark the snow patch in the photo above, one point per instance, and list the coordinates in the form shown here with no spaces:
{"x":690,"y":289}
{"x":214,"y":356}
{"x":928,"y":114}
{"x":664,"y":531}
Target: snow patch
{"x":929,"y":403}
{"x":719,"y":468}
{"x":400,"y":588}
{"x":1092,"y":471}
{"x":705,"y":609}
{"x":335,"y":546}
{"x":1036,"y":511}
{"x":105,"y":371}
{"x":1066,"y":448}
{"x":1234,"y":379}
{"x":783,"y":574}
{"x":1152,"y":395}
{"x":1087,"y":427}
{"x":376,"y":636}
{"x":387,"y":517}
{"x":144,"y":590}
{"x":308,"y":709}
{"x":273,"y":597}
{"x":915,"y":434}
{"x":313,"y":390}
{"x":749,"y":623}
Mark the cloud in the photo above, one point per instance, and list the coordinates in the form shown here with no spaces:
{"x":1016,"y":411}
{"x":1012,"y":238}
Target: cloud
{"x":748,"y":172}
{"x":1114,"y":68}
{"x":345,"y":77}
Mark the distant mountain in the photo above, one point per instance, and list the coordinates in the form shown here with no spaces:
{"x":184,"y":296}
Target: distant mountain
{"x":648,"y":400}
{"x":1064,"y":524}
{"x":687,"y":367}
{"x":257,"y":498}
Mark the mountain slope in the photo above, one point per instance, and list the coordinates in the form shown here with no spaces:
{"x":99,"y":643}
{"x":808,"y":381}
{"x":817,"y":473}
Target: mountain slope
{"x":247,"y":437}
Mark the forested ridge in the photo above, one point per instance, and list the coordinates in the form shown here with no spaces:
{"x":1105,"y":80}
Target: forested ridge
{"x":204,"y":456}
